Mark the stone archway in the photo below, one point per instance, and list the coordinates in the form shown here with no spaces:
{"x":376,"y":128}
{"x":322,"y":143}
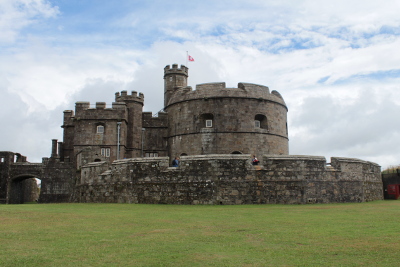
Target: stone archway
{"x":22,"y":189}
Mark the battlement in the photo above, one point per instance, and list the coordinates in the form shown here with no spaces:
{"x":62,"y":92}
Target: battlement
{"x":11,"y":157}
{"x":159,"y":116}
{"x":68,"y":115}
{"x":134,"y":96}
{"x":81,"y":106}
{"x":175,"y":70}
{"x":83,"y":110}
{"x":150,"y":121}
{"x":219,"y":89}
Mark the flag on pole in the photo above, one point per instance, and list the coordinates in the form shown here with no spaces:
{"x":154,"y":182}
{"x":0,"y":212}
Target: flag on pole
{"x":190,"y":58}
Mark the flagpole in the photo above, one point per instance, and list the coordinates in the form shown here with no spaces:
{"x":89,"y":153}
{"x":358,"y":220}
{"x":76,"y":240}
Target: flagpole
{"x":187,"y":56}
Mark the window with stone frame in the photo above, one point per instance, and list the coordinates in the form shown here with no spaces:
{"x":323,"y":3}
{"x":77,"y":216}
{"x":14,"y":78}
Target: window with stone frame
{"x":151,"y":154}
{"x":260,"y":121}
{"x":105,"y":152}
{"x":206,"y":120}
{"x":100,"y":129}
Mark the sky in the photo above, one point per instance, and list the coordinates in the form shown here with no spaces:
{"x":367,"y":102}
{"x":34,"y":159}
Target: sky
{"x":336,"y":64}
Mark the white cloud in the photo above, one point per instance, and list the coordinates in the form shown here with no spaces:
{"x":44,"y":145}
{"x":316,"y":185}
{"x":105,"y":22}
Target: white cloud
{"x":332,"y":62}
{"x":17,"y":14}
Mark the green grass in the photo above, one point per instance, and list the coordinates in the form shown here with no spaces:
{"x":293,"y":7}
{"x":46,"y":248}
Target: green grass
{"x":362,"y":234}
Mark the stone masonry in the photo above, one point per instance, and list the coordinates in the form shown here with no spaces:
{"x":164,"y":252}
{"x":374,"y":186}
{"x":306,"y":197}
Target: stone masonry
{"x":120,"y":154}
{"x":231,"y":179}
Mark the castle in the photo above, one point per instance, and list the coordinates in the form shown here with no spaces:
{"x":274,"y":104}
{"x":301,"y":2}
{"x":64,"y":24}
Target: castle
{"x":212,"y":119}
{"x":122,"y":154}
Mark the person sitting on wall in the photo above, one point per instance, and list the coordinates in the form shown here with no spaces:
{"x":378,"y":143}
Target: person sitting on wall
{"x":175,"y":162}
{"x":255,"y":160}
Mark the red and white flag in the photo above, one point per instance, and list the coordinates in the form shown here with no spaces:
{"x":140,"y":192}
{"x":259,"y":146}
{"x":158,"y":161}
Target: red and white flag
{"x":190,"y":58}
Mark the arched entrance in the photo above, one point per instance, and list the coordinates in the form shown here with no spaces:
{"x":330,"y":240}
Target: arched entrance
{"x":23,"y":189}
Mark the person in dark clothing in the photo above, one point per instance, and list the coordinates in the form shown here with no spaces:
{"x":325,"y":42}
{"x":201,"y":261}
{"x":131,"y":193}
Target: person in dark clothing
{"x":175,"y":162}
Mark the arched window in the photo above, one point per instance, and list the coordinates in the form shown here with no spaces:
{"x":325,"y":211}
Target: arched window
{"x":260,"y":121}
{"x":184,"y":154}
{"x":236,"y":152}
{"x":206,"y":120}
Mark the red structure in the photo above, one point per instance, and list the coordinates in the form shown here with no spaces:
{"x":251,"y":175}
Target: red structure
{"x":393,"y":190}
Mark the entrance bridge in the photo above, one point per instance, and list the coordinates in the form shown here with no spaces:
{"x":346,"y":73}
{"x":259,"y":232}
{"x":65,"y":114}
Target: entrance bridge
{"x":17,"y":185}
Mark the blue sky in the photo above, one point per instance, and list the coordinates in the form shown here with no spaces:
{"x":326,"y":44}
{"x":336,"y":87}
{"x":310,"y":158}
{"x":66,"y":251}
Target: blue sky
{"x":337,"y":64}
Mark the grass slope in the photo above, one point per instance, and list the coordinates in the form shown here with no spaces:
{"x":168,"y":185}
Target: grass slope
{"x":362,"y":234}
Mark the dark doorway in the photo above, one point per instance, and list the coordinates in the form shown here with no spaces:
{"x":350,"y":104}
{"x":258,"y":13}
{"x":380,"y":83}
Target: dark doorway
{"x":24,"y":189}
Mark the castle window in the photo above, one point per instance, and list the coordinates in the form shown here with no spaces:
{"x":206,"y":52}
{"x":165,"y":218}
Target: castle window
{"x":206,"y":120}
{"x":105,"y":152}
{"x":1,"y":159}
{"x":100,"y":129}
{"x":260,"y":121}
{"x":151,"y":154}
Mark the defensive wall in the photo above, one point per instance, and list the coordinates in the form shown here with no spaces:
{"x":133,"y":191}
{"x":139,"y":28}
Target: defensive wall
{"x":17,"y":186}
{"x":219,"y":89}
{"x":230,"y":179}
{"x":232,"y":113}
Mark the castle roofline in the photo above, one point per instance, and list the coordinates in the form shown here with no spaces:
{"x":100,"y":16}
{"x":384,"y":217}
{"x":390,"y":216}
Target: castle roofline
{"x":123,"y":96}
{"x":183,"y":70}
{"x":219,"y":89}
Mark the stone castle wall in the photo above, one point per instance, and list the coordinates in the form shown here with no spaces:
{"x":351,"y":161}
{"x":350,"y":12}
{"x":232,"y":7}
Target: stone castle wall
{"x":155,"y":132}
{"x":212,"y":90}
{"x":233,"y":112}
{"x":18,"y":186}
{"x":231,"y":179}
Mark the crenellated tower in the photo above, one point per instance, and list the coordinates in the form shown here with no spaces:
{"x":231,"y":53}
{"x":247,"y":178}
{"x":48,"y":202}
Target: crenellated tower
{"x":134,"y":103}
{"x":174,"y":78}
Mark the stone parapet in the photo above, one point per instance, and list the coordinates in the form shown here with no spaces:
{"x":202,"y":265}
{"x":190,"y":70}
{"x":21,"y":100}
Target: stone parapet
{"x":218,"y":90}
{"x":229,"y":179}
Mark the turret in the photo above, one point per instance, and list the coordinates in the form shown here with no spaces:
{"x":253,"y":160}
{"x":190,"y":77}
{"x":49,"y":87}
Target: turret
{"x":134,"y":103}
{"x":174,"y":78}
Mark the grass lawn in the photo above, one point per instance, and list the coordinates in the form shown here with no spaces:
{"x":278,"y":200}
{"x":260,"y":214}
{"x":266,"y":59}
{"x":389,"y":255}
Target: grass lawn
{"x":361,"y":234}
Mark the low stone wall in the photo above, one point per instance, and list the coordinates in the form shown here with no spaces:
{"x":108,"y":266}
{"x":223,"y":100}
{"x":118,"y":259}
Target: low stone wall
{"x":231,"y":179}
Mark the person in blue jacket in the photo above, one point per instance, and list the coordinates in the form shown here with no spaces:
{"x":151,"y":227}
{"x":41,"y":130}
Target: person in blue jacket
{"x":175,"y":162}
